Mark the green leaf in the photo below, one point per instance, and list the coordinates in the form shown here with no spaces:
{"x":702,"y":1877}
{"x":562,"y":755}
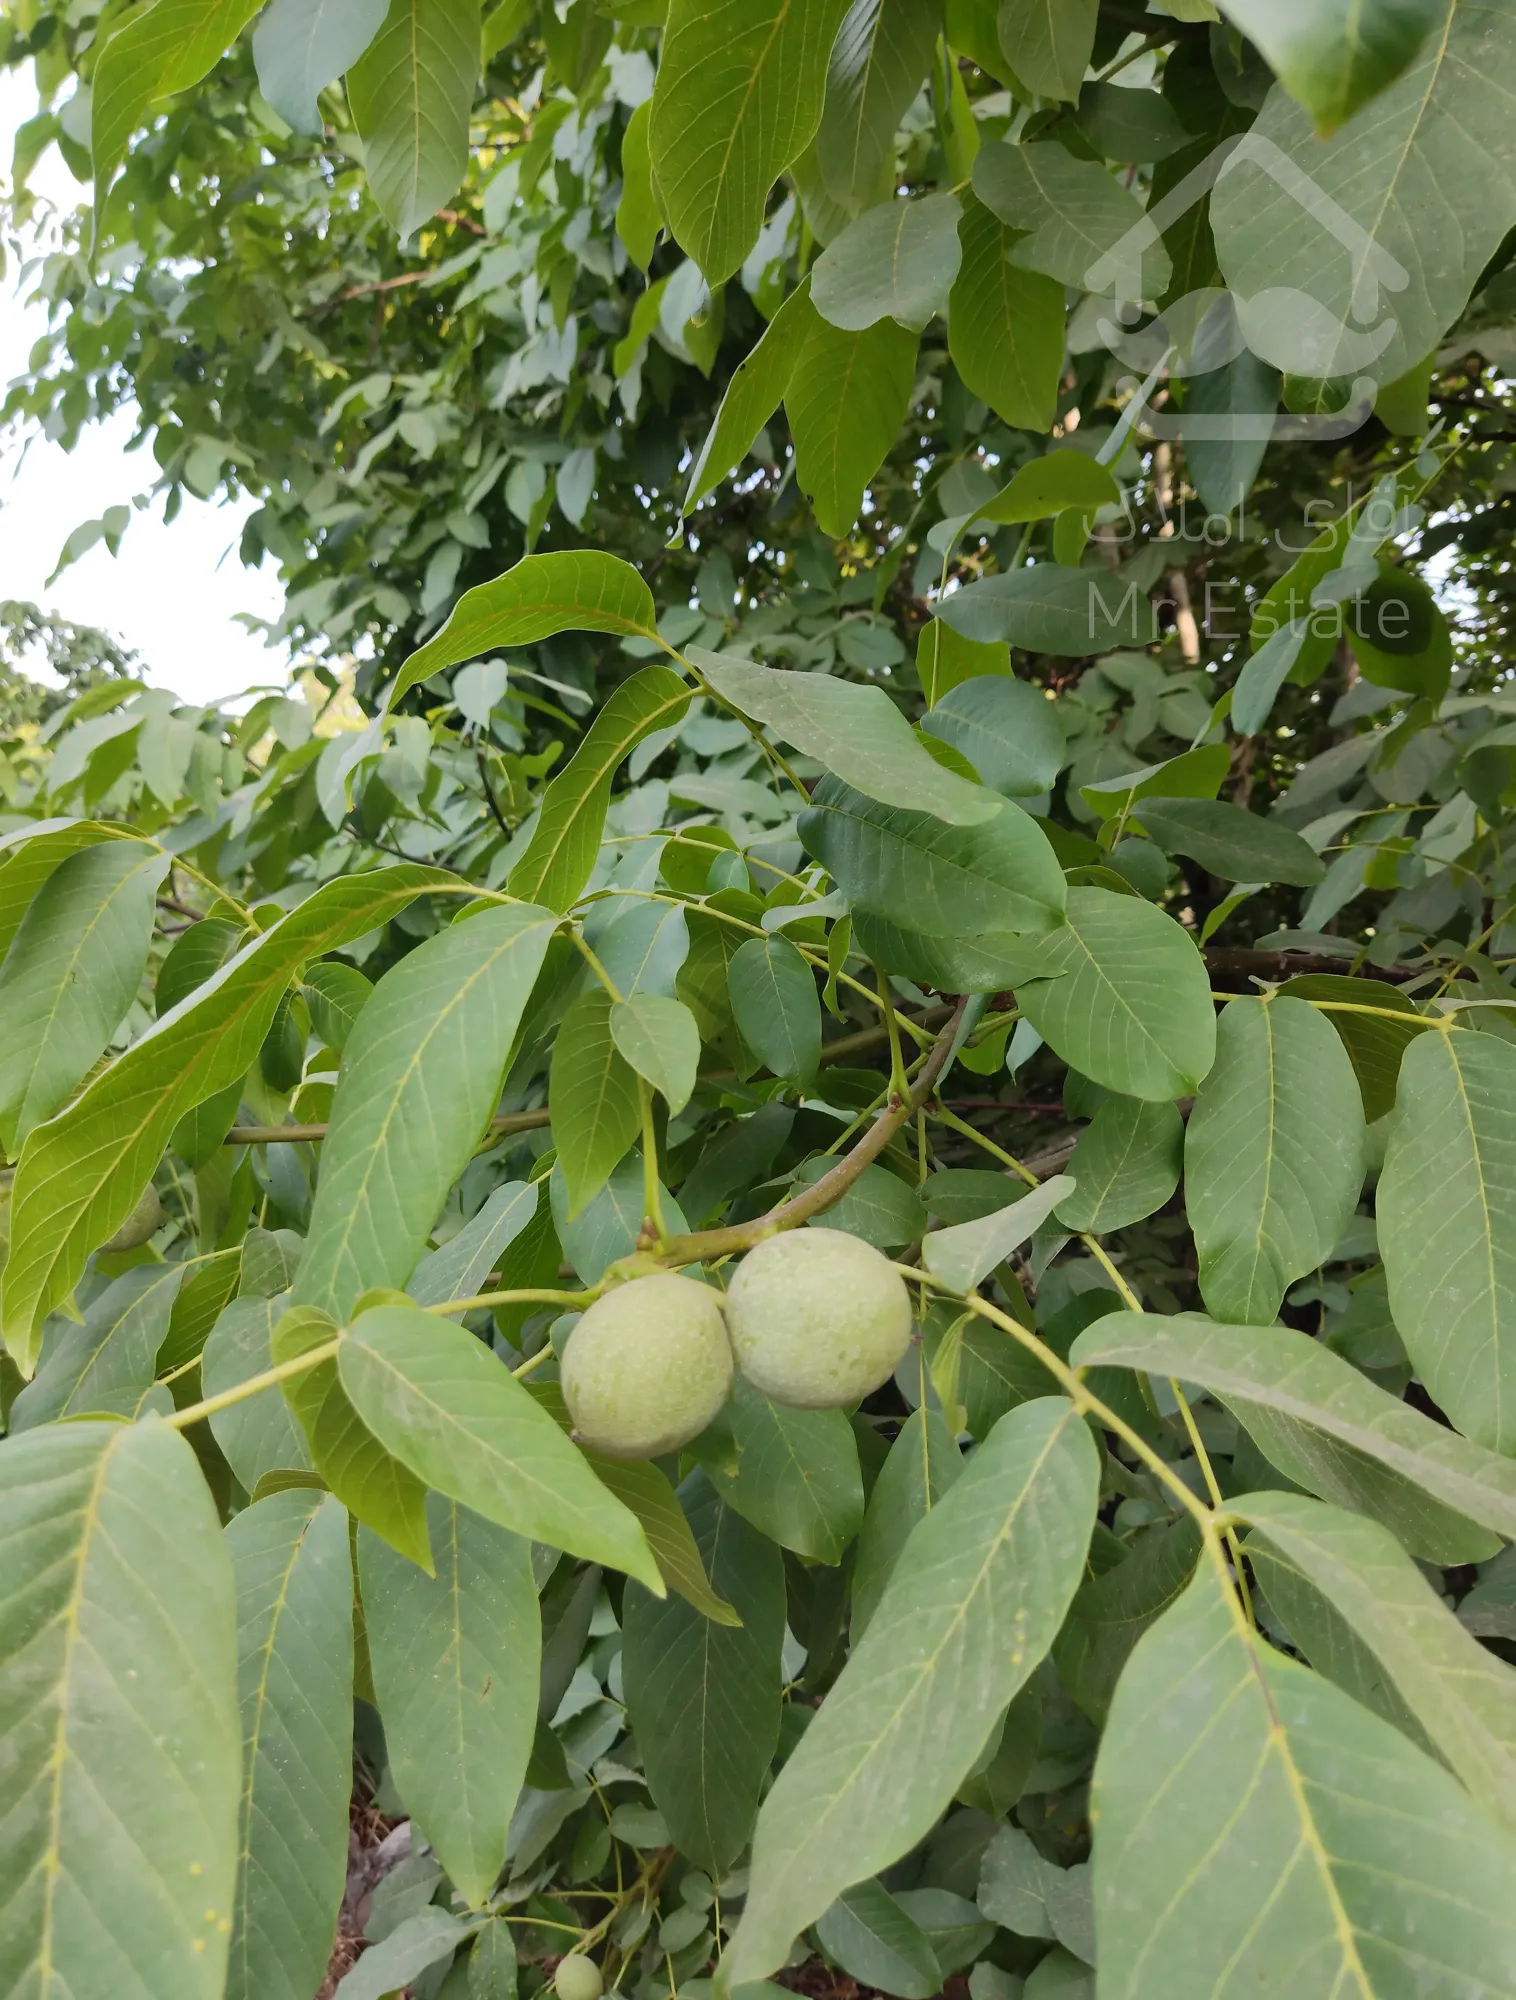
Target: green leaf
{"x":857,"y":732}
{"x":758,"y":386}
{"x":81,"y":1174}
{"x":847,"y":397}
{"x":300,"y":46}
{"x":1048,"y":42}
{"x":118,"y":1716}
{"x":1111,"y":1612}
{"x":29,"y":854}
{"x":967,"y":891}
{"x":1462,"y":1695}
{"x":738,"y":97}
{"x":1121,"y":993}
{"x":1273,"y":1156}
{"x":1006,"y":728}
{"x":369,"y":1481}
{"x":704,"y":1699}
{"x":966,"y":1253}
{"x":420,"y":1078}
{"x":1082,"y":227}
{"x":1375,"y":1046}
{"x":336,"y":995}
{"x":871,"y":1937}
{"x":1126,"y":1165}
{"x":592,"y":1093}
{"x":576,"y":590}
{"x":793,"y":1473}
{"x":1447,"y":1222}
{"x":1033,"y":1897}
{"x":1265,"y":672}
{"x":198,"y":952}
{"x":1005,"y":326}
{"x":776,"y":1007}
{"x":1050,"y":609}
{"x":492,"y":1963}
{"x":659,"y":1038}
{"x":1193,"y":774}
{"x":1236,"y":845}
{"x":972,"y":1606}
{"x":1310,"y":1851}
{"x":639,"y":214}
{"x":1422,"y":181}
{"x":71,"y":973}
{"x":388,"y":1967}
{"x":161,"y":49}
{"x":451,"y":1411}
{"x":107,"y":1361}
{"x":882,"y":52}
{"x":980,"y":1367}
{"x":561,"y":854}
{"x":455,"y":1662}
{"x":259,"y":1434}
{"x":923,"y":1463}
{"x":879,"y":1207}
{"x":411,"y":93}
{"x":897,"y":261}
{"x":294,"y":1679}
{"x":1333,"y":58}
{"x":1048,"y":485}
{"x":1327,"y":1426}
{"x":642,"y":1488}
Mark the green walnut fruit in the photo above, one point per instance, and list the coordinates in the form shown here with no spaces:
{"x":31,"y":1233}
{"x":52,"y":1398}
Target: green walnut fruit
{"x":578,"y":1977}
{"x":647,"y":1367}
{"x":817,"y":1319}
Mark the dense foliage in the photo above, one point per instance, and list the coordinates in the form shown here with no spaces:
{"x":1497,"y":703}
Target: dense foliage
{"x":906,"y":717}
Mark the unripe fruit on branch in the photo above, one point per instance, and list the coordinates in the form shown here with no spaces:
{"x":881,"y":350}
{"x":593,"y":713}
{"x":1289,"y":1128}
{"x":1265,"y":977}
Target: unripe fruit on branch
{"x":647,"y":1367}
{"x":578,"y":1978}
{"x":817,"y":1318}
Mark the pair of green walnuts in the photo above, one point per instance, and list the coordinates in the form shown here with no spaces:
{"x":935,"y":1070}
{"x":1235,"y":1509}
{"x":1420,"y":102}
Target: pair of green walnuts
{"x":814,"y":1318}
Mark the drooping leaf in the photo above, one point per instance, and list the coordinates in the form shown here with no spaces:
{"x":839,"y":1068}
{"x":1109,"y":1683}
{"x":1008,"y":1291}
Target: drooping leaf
{"x":1125,"y":1166}
{"x":1333,"y":59}
{"x":897,"y":261}
{"x":80,"y":1175}
{"x":758,"y":386}
{"x":923,"y":1463}
{"x":71,"y":973}
{"x":118,"y":1716}
{"x":155,"y":52}
{"x":575,"y":590}
{"x":592,"y":1091}
{"x":875,"y":1940}
{"x":857,"y":732}
{"x":336,"y":995}
{"x":411,"y":1948}
{"x":1273,"y":1156}
{"x":1081,"y":225}
{"x":639,"y":215}
{"x":847,"y":395}
{"x":1375,"y":1045}
{"x":704,"y":1699}
{"x":373,"y":1484}
{"x":459,"y":1268}
{"x":1461,"y":1695}
{"x":1236,"y":845}
{"x":1049,"y":485}
{"x":793,"y":1473}
{"x":561,"y":853}
{"x":1008,"y":731}
{"x":455,"y":1662}
{"x":1005,"y":325}
{"x":259,"y":1434}
{"x":659,"y":1037}
{"x":1111,"y":1612}
{"x":421,"y":1076}
{"x":106,"y":1361}
{"x":1424,"y":171}
{"x":411,"y":92}
{"x":300,"y":46}
{"x":1052,"y":609}
{"x":451,"y":1411}
{"x":1447,"y":1221}
{"x":294,"y":1678}
{"x":1048,"y":42}
{"x":738,"y":97}
{"x":1327,"y":1427}
{"x":639,"y":1485}
{"x":1310,"y":1851}
{"x":776,"y":1007}
{"x":970,"y":1609}
{"x":1120,"y":992}
{"x":966,"y":1253}
{"x":882,"y":51}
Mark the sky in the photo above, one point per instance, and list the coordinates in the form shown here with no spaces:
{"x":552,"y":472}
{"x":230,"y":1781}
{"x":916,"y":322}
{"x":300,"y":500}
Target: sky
{"x":172,"y":592}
